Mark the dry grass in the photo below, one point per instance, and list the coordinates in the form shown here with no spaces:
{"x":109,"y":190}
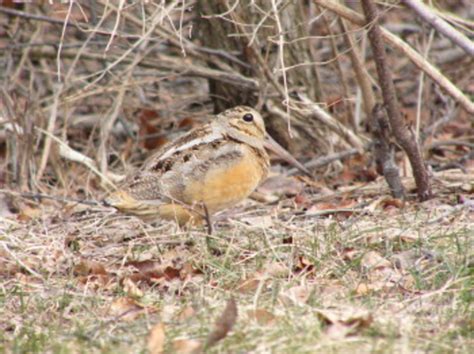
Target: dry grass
{"x":366,"y":283}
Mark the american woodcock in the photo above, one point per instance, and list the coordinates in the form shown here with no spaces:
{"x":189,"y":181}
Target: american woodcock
{"x":209,"y":169}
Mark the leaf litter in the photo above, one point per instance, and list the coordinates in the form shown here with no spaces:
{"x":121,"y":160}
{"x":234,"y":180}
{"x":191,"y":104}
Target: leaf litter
{"x":276,"y":259}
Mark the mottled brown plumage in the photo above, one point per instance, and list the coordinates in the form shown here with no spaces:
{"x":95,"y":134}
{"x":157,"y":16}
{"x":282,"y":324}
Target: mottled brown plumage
{"x":216,"y":166}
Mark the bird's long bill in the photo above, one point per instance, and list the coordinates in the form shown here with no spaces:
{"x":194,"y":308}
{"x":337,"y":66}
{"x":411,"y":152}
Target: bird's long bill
{"x":273,"y":146}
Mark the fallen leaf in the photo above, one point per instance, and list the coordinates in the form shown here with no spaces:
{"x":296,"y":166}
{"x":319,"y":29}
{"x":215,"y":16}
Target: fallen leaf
{"x":276,"y":269}
{"x":131,"y":288}
{"x":342,"y":207}
{"x":28,"y":213}
{"x":224,"y":324}
{"x":362,"y":289}
{"x":251,"y":284}
{"x":127,"y":309}
{"x":392,"y":202}
{"x":148,"y":131}
{"x":261,"y":316}
{"x":264,"y":221}
{"x":349,"y":253}
{"x":87,"y":267}
{"x":296,"y":295}
{"x":338,"y":330}
{"x":186,"y":313}
{"x":156,"y":339}
{"x":171,"y":268}
{"x":345,"y":321}
{"x":302,"y":201}
{"x":187,"y":122}
{"x":373,"y":260}
{"x":380,"y":275}
{"x":92,"y":273}
{"x":187,"y":346}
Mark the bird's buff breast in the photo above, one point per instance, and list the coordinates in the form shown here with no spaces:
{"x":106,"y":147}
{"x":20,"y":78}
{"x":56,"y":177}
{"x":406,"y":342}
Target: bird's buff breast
{"x":225,"y":185}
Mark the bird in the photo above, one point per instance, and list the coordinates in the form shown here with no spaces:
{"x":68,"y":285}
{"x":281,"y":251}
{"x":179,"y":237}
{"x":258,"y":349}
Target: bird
{"x":209,"y":169}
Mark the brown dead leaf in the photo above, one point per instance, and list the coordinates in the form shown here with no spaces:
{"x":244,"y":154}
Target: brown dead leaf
{"x":131,"y":288}
{"x":224,"y":324}
{"x":171,"y":273}
{"x":381,"y":275}
{"x":393,"y":202}
{"x":262,"y":316}
{"x":339,"y":207}
{"x":91,"y":272}
{"x":296,"y":295}
{"x":251,"y":283}
{"x":144,"y":266}
{"x":156,"y":339}
{"x":127,"y":309}
{"x":187,"y":346}
{"x":302,"y":201}
{"x":28,"y":213}
{"x":276,"y":269}
{"x":362,"y":289}
{"x":186,"y":313}
{"x":373,"y":260}
{"x":187,"y":122}
{"x":148,"y":131}
{"x":344,"y":322}
{"x":303,"y":265}
{"x":264,"y":221}
{"x":149,"y":271}
{"x":349,"y":253}
{"x":87,"y":267}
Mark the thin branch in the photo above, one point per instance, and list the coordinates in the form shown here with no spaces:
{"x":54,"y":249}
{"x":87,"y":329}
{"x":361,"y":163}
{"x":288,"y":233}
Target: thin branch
{"x":384,"y":152}
{"x":401,"y":132}
{"x":361,"y":73}
{"x":281,"y":58}
{"x":441,"y":25}
{"x":406,"y":49}
{"x":51,"y":123}
{"x":326,"y":160}
{"x":324,"y":117}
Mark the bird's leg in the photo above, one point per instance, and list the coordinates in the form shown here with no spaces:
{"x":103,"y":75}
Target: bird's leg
{"x":207,"y":217}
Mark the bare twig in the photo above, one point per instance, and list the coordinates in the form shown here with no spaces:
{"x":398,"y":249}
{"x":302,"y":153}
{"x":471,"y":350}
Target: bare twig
{"x":406,"y":49}
{"x":384,"y":152}
{"x":403,"y":135}
{"x":49,"y":129}
{"x":281,"y":59}
{"x":441,"y":25}
{"x":325,"y":118}
{"x":361,"y":73}
{"x":73,"y":155}
{"x":419,"y":103}
{"x":326,"y":160}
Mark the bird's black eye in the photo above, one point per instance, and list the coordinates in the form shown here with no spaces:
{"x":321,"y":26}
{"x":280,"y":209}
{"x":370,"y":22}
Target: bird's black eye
{"x":248,"y":117}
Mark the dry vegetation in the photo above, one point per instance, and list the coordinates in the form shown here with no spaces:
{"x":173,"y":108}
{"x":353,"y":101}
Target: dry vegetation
{"x":331,"y":263}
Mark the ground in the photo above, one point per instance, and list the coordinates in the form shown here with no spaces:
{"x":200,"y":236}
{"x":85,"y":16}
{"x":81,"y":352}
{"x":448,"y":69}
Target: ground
{"x":347,"y":271}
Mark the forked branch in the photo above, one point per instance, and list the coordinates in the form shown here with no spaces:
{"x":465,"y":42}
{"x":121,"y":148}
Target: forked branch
{"x":403,"y":135}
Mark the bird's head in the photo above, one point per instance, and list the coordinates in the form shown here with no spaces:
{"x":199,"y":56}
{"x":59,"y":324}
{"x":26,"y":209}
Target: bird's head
{"x":245,"y":120}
